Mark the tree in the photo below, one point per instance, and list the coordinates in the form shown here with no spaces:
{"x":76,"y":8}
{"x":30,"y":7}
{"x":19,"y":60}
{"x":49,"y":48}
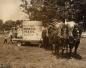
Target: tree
{"x":74,"y":10}
{"x":9,"y":24}
{"x":44,"y":10}
{"x":47,"y":10}
{"x":1,"y":25}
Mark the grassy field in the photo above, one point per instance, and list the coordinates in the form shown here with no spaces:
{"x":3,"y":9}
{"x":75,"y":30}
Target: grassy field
{"x":12,"y":56}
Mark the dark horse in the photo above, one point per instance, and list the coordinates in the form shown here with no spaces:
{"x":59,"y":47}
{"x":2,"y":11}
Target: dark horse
{"x":74,"y":40}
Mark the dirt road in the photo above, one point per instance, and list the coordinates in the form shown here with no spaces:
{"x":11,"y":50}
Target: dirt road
{"x":12,"y":56}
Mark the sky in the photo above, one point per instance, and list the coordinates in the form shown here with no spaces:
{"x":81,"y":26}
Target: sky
{"x":10,"y":10}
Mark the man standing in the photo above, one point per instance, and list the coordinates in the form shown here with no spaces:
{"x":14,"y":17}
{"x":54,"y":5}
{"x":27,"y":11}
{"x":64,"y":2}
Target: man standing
{"x":45,"y":37}
{"x":5,"y":39}
{"x":10,"y":36}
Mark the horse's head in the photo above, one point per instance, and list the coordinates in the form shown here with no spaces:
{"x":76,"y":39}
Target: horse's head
{"x":76,"y":33}
{"x":65,"y":31}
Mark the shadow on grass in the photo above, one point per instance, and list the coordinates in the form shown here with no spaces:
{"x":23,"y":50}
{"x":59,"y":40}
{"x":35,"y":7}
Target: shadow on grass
{"x":68,"y":56}
{"x":77,"y":56}
{"x":30,"y":45}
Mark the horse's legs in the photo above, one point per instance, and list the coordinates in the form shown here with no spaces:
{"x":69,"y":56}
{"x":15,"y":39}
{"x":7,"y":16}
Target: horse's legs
{"x":53,"y":48}
{"x":76,"y":46}
{"x":67,"y":43}
{"x":63,"y":50}
{"x":70,"y":50}
{"x":57,"y":49}
{"x":66,"y":48}
{"x":70,"y":47}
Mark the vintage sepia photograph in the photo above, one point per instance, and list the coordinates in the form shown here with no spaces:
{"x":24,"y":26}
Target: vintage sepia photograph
{"x":42,"y":33}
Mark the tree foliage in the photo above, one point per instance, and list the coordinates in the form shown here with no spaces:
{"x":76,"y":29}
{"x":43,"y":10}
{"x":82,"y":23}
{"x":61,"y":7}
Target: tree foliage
{"x":47,"y":10}
{"x":1,"y":24}
{"x":10,"y":23}
{"x":44,"y":10}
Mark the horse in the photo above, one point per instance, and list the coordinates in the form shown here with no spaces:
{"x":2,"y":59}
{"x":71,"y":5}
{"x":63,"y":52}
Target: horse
{"x":74,"y":40}
{"x":58,"y":37}
{"x":48,"y":37}
{"x":53,"y":34}
{"x":64,"y":38}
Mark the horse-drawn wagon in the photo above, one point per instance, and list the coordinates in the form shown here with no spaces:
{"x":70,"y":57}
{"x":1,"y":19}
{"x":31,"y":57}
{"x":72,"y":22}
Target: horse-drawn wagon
{"x":59,"y":35}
